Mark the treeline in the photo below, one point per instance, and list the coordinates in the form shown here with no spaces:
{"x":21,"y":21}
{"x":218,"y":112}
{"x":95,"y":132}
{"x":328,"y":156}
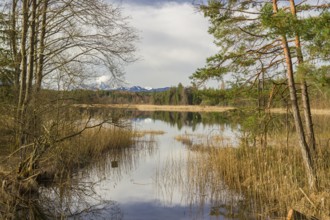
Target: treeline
{"x":260,"y":94}
{"x":173,"y":96}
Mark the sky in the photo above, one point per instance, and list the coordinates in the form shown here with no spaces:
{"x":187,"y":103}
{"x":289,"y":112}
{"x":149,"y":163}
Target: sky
{"x":173,"y":42}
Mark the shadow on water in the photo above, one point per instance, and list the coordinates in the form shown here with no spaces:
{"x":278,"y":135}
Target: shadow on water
{"x":75,"y":197}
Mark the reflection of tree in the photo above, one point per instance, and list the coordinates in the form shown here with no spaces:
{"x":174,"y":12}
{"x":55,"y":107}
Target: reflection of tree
{"x":127,"y":160}
{"x":76,"y":197}
{"x":194,"y":178}
{"x":107,"y":210}
{"x":191,"y":119}
{"x":72,"y":200}
{"x":255,"y":128}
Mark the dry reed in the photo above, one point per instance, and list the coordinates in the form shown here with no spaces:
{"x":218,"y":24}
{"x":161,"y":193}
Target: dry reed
{"x":272,"y":178}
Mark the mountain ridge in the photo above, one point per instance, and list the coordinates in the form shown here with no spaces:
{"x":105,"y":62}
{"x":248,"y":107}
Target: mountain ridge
{"x":106,"y":87}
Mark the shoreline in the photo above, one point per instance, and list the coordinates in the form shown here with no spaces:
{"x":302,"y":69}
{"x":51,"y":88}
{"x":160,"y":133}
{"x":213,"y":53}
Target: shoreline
{"x":186,"y":108}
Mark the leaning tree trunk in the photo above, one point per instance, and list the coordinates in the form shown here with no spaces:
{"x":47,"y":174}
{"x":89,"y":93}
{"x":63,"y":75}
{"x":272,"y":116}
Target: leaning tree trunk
{"x":304,"y":90}
{"x":306,"y":154}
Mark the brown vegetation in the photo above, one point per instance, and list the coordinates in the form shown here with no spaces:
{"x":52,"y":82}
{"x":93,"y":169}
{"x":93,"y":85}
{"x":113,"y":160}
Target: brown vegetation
{"x":272,"y":176}
{"x":20,"y":189}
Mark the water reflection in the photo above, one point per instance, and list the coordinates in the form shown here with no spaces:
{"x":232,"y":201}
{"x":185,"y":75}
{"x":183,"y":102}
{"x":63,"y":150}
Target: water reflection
{"x":194,"y":180}
{"x":165,"y":181}
{"x":74,"y":195}
{"x":187,"y":119}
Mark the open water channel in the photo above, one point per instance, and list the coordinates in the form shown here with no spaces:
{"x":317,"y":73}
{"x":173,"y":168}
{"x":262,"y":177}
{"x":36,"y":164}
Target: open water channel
{"x":157,"y":180}
{"x":173,"y":171}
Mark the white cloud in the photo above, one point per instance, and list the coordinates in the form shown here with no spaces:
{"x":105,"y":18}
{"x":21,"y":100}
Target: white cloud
{"x":103,"y":79}
{"x":174,"y":43}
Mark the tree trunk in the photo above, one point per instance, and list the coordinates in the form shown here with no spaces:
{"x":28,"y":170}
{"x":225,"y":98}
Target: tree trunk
{"x":13,"y":42}
{"x":23,"y":72}
{"x":41,"y":45}
{"x":23,"y":65}
{"x":304,"y":90}
{"x":306,"y":154}
{"x":31,"y":55}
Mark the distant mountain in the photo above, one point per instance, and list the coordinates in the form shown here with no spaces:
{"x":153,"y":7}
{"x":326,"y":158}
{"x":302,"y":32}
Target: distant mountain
{"x":141,"y":89}
{"x":104,"y":86}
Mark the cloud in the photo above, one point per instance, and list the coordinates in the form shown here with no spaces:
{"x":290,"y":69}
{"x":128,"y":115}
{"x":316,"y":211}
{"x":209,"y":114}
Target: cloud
{"x":173,"y":43}
{"x":152,"y":2}
{"x":103,"y":79}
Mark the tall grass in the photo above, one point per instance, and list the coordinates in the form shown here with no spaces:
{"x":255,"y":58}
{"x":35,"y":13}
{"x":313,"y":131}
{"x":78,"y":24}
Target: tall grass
{"x":271,"y":178}
{"x":276,"y":175}
{"x":19,"y":194}
{"x":266,"y":170}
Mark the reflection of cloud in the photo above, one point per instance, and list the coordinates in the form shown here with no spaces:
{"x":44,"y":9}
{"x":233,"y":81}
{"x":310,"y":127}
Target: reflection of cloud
{"x":174,"y":43}
{"x":155,"y":210}
{"x":148,"y":120}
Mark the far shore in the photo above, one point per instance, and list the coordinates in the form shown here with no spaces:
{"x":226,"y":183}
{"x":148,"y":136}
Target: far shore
{"x":186,"y":108}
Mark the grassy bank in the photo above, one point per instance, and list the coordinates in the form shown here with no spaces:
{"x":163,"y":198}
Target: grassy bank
{"x":272,"y":179}
{"x":20,"y":189}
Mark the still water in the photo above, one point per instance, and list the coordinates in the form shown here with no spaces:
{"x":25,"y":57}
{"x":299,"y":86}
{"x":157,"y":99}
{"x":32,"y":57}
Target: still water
{"x":159,"y":179}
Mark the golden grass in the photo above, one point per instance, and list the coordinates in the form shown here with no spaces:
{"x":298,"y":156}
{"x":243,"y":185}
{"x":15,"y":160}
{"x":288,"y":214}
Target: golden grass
{"x":263,"y":182}
{"x":202,"y":141}
{"x":272,"y":177}
{"x":19,"y":190}
{"x":88,"y":147}
{"x":142,"y":133}
{"x":276,"y":175}
{"x":314,"y":111}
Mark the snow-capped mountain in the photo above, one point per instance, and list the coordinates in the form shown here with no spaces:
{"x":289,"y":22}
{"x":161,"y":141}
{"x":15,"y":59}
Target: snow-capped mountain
{"x":141,"y":89}
{"x":105,"y":86}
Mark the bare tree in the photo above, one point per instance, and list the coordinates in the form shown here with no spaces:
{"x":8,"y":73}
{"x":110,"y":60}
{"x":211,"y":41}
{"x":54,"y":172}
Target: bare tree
{"x":68,"y":40}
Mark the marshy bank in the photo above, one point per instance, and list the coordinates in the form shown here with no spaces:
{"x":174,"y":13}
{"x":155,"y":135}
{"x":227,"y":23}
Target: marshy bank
{"x":36,"y":175}
{"x":270,"y":176}
{"x":171,"y":165}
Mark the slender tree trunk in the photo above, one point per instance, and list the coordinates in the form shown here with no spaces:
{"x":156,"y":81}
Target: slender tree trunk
{"x":41,"y":45}
{"x":23,"y":72}
{"x":306,"y":154}
{"x":13,"y":41}
{"x":31,"y":55}
{"x":304,"y":90}
{"x":24,"y":56}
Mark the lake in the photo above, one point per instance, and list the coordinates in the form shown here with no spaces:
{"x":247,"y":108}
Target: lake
{"x":178,"y":169}
{"x":153,"y":182}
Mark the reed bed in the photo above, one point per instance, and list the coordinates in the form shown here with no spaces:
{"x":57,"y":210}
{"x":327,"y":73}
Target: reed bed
{"x":142,"y":133}
{"x":271,"y":178}
{"x":82,"y":150}
{"x":55,"y":166}
{"x":201,"y":142}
